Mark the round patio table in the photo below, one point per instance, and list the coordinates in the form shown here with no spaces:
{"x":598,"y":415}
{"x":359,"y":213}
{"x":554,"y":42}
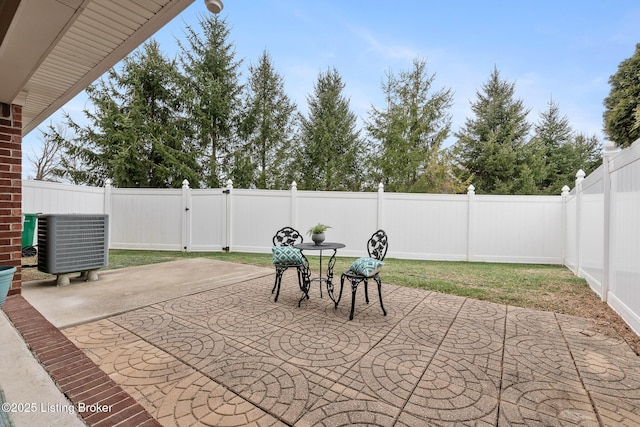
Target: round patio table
{"x":332,"y":261}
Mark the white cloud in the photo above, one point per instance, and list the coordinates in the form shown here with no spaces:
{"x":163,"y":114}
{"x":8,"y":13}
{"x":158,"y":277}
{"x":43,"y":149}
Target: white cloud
{"x":381,"y":48}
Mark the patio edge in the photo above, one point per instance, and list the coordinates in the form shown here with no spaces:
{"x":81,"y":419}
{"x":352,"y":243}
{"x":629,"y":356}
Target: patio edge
{"x":77,"y":376}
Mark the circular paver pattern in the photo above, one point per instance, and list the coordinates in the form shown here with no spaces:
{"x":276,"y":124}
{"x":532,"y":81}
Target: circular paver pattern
{"x":194,"y":346}
{"x":547,"y":403}
{"x":277,"y":387}
{"x":543,"y":356}
{"x":142,"y":364}
{"x":469,"y":337}
{"x":279,"y":318}
{"x":240,"y":324}
{"x":189,"y":306}
{"x":196,"y":400}
{"x":232,"y":357}
{"x":102,"y":334}
{"x":142,"y":321}
{"x":441,"y":305}
{"x":454,"y":390}
{"x":426,"y":329}
{"x":533,"y":322}
{"x":351,"y":413}
{"x":319,"y":346}
{"x":482,"y":311}
{"x":610,"y":375}
{"x":392,"y":372}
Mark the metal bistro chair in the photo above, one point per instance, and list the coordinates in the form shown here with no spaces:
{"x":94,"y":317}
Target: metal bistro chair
{"x":366,"y":268}
{"x":285,"y":256}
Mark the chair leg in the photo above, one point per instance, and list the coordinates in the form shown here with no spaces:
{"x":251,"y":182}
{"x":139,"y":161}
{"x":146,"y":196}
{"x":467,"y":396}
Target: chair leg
{"x":337,"y":301}
{"x":379,"y":282}
{"x":301,"y":281}
{"x":354,"y":288}
{"x":276,"y":286}
{"x":366,"y":291}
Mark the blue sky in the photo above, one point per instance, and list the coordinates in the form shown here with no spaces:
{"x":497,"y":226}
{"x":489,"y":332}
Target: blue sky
{"x":565,"y":50}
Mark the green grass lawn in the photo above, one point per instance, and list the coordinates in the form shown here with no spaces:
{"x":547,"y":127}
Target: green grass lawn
{"x":544,"y":287}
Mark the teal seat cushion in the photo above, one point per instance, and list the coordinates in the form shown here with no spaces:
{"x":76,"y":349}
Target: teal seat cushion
{"x":366,"y":266}
{"x":286,"y":255}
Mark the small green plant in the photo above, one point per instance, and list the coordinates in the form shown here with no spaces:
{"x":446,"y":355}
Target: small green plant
{"x":318,"y":229}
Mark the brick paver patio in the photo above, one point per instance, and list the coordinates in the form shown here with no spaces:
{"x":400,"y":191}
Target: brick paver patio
{"x":231,"y":356}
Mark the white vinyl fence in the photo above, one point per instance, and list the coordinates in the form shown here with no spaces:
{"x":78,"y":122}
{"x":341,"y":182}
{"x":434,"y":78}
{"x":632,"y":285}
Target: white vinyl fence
{"x":594,"y":230}
{"x":602,"y":231}
{"x":53,"y":198}
{"x":420,"y":226}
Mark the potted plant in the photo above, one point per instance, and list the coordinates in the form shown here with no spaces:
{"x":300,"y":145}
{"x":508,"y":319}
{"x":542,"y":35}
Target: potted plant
{"x":6,"y":277}
{"x":317,"y":233}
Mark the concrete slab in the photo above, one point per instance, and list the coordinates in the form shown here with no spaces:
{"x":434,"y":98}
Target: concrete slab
{"x":33,"y":398}
{"x":118,"y":291}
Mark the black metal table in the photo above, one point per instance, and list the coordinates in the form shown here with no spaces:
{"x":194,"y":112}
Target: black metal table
{"x":332,"y":261}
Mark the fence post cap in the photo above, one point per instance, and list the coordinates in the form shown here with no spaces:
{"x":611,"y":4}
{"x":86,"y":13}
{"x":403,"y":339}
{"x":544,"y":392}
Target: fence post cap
{"x":565,"y":190}
{"x":185,"y":183}
{"x":471,"y":190}
{"x":108,"y":182}
{"x":609,"y":148}
{"x":294,"y":185}
{"x":229,"y":184}
{"x":580,"y":174}
{"x":380,"y":187}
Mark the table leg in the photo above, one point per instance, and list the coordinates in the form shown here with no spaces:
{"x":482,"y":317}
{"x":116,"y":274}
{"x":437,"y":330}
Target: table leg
{"x":332,"y":263}
{"x":320,"y":276}
{"x":304,"y":280}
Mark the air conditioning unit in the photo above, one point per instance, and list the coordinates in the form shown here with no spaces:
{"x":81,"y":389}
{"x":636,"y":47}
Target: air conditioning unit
{"x":70,"y":243}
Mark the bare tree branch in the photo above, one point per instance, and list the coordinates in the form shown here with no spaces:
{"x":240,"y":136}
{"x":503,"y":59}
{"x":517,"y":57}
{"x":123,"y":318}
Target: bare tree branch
{"x":48,"y":159}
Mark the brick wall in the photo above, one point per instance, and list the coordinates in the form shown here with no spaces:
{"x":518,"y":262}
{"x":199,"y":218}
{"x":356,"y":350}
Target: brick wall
{"x":11,"y":190}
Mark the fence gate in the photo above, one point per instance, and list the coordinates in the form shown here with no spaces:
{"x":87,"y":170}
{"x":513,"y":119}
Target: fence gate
{"x":208,"y":222}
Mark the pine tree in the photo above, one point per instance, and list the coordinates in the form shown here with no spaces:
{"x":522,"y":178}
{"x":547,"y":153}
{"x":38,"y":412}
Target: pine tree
{"x":587,"y":155}
{"x":491,"y":147}
{"x":267,"y":127}
{"x":213,"y":92}
{"x":622,"y":106}
{"x":551,"y":133}
{"x":330,"y":155}
{"x":137,"y":134}
{"x":560,"y":152}
{"x":407,"y":136}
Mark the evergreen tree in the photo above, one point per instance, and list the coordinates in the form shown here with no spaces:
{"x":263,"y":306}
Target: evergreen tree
{"x":560,"y":152}
{"x":137,"y":135}
{"x":408,"y":134}
{"x":622,"y":106}
{"x":213,"y":93}
{"x":330,"y":152}
{"x":266,"y":128}
{"x":587,"y":152}
{"x":552,"y":135}
{"x":492,"y":147}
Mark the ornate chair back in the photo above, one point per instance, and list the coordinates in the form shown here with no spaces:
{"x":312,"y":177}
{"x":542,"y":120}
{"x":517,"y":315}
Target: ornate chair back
{"x":286,"y":257}
{"x":377,"y":245}
{"x":287,"y":236}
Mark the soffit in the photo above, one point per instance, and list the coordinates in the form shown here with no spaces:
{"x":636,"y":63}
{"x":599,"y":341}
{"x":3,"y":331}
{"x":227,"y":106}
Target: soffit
{"x":54,"y":49}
